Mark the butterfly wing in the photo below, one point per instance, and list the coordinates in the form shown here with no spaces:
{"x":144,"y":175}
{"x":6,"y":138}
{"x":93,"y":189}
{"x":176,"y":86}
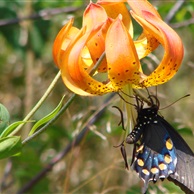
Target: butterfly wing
{"x":162,"y":153}
{"x":178,"y":141}
{"x":184,"y":174}
{"x":156,"y":156}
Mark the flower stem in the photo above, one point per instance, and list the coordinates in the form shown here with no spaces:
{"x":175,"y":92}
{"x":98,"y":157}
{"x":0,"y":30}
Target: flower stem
{"x":130,"y":111}
{"x":36,"y":107}
{"x":62,"y":110}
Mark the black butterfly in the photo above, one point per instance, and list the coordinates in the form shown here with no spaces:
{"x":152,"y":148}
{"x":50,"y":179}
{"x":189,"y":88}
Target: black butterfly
{"x":161,"y":152}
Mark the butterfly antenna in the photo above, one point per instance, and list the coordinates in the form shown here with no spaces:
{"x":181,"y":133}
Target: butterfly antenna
{"x":175,"y":101}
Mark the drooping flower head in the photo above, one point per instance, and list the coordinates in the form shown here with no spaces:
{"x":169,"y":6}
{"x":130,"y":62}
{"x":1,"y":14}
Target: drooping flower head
{"x":106,"y":38}
{"x":103,"y":56}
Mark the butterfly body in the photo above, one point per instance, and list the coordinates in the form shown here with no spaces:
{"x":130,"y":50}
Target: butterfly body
{"x":159,"y":151}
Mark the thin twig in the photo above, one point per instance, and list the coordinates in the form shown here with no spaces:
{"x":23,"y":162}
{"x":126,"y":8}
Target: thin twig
{"x":67,"y":149}
{"x":174,"y":10}
{"x":41,"y":14}
{"x":183,"y":23}
{"x":5,"y":181}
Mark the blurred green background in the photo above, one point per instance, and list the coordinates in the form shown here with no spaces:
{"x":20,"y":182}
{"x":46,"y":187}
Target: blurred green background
{"x":27,"y":69}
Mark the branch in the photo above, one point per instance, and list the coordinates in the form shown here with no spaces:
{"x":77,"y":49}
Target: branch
{"x":41,"y":14}
{"x":183,"y":24}
{"x":174,"y":10}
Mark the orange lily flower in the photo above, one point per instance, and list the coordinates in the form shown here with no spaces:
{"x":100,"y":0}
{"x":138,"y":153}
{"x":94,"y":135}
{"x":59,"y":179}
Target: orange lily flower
{"x":106,"y":37}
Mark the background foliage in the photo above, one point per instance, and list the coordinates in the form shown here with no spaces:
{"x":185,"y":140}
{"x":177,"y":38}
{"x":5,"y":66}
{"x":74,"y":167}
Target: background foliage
{"x":93,"y":165}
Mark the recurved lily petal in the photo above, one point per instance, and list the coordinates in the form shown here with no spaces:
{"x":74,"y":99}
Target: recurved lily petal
{"x":96,"y":46}
{"x":94,"y":16}
{"x":123,"y":63}
{"x":146,"y":42}
{"x":173,"y":48}
{"x":139,"y":7}
{"x":115,"y":8}
{"x":76,"y":51}
{"x":75,"y":77}
{"x":64,"y":58}
{"x":65,"y":35}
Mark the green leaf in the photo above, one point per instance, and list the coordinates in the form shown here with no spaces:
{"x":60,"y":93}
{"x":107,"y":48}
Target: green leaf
{"x":11,"y":128}
{"x":4,"y":118}
{"x":47,"y":117}
{"x":10,"y":146}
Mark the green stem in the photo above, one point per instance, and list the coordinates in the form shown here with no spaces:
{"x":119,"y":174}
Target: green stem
{"x":36,"y":107}
{"x":62,"y":110}
{"x":130,"y":112}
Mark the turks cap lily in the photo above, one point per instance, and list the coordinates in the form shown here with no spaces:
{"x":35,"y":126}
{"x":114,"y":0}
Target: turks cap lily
{"x":103,"y":56}
{"x":107,"y":36}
